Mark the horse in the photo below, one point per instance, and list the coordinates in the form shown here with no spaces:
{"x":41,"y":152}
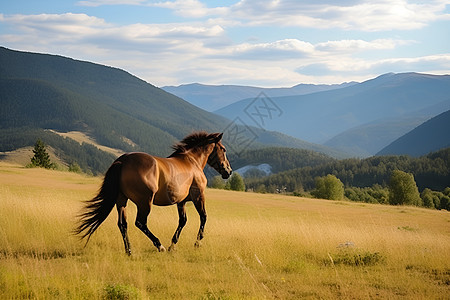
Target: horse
{"x":149,"y":180}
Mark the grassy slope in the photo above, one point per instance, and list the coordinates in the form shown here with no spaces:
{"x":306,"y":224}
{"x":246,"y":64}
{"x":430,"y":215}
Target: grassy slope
{"x":256,"y":246}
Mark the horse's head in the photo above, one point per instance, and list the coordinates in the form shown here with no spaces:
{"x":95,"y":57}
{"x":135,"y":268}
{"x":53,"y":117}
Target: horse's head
{"x":218,"y":158}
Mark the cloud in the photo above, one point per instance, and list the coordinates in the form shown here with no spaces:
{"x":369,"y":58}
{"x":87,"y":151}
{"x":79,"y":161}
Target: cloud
{"x":350,"y":66}
{"x":360,"y":15}
{"x":200,"y":48}
{"x":279,"y":50}
{"x":360,"y":45}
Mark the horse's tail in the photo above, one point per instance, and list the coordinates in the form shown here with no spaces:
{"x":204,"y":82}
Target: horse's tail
{"x":98,"y":208}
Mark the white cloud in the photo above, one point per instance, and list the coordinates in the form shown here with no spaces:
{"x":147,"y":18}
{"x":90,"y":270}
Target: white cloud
{"x":381,"y":15}
{"x":351,"y":46}
{"x":279,"y":50}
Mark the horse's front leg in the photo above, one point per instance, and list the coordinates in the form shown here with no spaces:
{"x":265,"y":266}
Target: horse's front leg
{"x":181,"y":222}
{"x":200,"y":206}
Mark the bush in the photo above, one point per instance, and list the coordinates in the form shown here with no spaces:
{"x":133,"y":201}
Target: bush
{"x":217,"y":182}
{"x":403,"y":189}
{"x":235,"y":183}
{"x":329,"y":187}
{"x":74,"y":167}
{"x":374,"y":194}
{"x":120,"y":292}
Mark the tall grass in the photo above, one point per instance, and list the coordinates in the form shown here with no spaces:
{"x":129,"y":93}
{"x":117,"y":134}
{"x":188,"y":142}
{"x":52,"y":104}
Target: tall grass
{"x":256,"y":246}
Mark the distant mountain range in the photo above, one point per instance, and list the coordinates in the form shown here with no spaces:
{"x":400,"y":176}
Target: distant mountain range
{"x":214,"y":97}
{"x":360,"y":119}
{"x":118,"y":110}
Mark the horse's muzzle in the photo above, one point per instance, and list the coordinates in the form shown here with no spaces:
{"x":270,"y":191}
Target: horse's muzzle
{"x":226,"y":173}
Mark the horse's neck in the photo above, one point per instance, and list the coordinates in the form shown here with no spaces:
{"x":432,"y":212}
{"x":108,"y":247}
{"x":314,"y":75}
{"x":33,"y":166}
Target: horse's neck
{"x":199,"y":157}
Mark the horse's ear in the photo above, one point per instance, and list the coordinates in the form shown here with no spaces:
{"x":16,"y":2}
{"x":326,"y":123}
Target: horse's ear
{"x":219,"y":137}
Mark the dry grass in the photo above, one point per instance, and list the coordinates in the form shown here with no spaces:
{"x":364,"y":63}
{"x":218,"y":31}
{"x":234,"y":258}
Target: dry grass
{"x":256,"y":246}
{"x":81,"y":137}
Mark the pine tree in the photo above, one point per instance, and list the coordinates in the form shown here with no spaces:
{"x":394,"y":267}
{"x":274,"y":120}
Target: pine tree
{"x":41,"y":158}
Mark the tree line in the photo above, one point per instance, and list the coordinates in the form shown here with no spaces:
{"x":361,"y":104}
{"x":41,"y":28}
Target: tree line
{"x":366,"y":180}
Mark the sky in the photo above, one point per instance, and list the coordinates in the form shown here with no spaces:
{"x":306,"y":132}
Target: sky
{"x":278,"y":43}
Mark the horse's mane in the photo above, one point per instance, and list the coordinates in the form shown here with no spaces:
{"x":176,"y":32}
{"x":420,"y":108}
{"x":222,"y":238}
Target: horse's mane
{"x":194,"y":140}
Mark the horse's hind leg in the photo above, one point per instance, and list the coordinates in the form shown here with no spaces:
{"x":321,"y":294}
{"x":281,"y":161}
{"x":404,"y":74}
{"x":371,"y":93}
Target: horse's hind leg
{"x":141,"y":222}
{"x":122,"y":221}
{"x":182,"y":221}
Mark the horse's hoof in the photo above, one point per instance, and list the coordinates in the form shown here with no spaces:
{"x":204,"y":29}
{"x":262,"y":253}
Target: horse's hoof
{"x":197,"y":244}
{"x":172,"y":248}
{"x":128,"y":252}
{"x":161,"y":249}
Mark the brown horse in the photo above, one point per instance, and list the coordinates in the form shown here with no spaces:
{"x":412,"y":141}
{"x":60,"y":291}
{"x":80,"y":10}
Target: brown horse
{"x":147,"y":180}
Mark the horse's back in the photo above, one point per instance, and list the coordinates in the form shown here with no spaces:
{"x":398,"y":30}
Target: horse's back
{"x":140,"y":174}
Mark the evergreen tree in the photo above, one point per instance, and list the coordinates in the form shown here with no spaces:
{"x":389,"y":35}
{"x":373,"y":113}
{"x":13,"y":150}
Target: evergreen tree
{"x":41,"y":158}
{"x":403,"y":189}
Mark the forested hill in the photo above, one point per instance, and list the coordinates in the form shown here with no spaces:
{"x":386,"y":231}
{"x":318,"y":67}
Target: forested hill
{"x":280,"y":159}
{"x":430,"y":171}
{"x":72,"y":94}
{"x":119,"y":110}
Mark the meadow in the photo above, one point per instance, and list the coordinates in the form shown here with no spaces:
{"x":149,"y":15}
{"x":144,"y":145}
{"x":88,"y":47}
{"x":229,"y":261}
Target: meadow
{"x":256,"y":246}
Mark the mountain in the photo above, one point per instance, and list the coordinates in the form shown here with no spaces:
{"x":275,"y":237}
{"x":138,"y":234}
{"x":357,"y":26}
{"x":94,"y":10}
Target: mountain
{"x":321,"y":116}
{"x":370,"y":138}
{"x":214,"y":97}
{"x":431,"y":136}
{"x":116,"y":109}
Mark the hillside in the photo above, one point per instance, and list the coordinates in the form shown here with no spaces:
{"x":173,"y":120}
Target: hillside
{"x":214,"y":97}
{"x":321,"y":116}
{"x":430,"y":171}
{"x":432,"y":135}
{"x":114,"y":108}
{"x":280,"y":159}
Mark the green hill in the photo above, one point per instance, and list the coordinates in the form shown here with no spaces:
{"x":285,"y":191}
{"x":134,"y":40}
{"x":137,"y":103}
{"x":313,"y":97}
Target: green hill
{"x":117,"y":109}
{"x":280,"y":159}
{"x":430,"y":171}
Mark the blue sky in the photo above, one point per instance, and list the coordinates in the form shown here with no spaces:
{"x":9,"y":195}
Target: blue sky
{"x":248,"y":42}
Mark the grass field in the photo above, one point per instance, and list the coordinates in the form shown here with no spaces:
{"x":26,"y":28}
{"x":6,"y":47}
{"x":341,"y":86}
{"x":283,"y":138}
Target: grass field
{"x":256,"y":247}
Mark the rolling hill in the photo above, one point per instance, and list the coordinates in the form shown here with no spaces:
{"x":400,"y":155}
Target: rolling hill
{"x":115,"y":108}
{"x":430,"y":136}
{"x":323,"y":116}
{"x":214,"y":97}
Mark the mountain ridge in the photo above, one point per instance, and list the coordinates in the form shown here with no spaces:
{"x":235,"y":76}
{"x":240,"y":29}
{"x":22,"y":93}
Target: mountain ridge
{"x":321,"y":116}
{"x":214,"y":97}
{"x":430,"y":136}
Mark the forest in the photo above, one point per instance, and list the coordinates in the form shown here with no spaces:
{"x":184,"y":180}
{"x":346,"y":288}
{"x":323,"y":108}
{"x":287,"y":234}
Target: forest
{"x":364,"y":180}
